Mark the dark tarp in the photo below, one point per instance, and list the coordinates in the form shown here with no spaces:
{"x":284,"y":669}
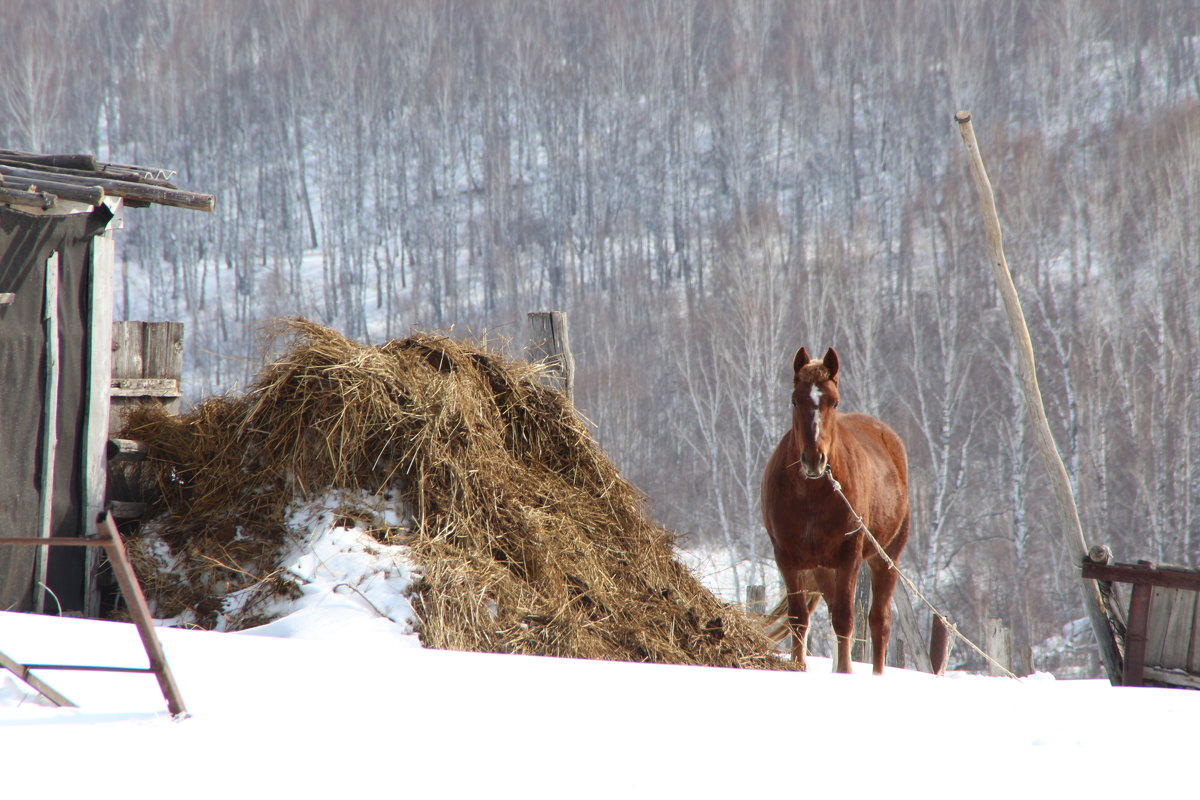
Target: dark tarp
{"x":26,"y":241}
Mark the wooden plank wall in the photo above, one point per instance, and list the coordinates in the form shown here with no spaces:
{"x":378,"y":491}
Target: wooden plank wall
{"x":1173,"y":634}
{"x":147,"y":362}
{"x":147,"y":365}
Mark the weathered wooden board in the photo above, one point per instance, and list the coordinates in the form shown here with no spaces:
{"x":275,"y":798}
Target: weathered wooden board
{"x":1172,"y":620}
{"x":550,"y":342}
{"x":1194,"y":646}
{"x":1185,"y":679}
{"x":147,"y":362}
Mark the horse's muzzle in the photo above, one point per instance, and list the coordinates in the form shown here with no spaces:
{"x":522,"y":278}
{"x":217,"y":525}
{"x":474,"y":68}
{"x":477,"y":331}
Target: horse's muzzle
{"x":815,"y":467}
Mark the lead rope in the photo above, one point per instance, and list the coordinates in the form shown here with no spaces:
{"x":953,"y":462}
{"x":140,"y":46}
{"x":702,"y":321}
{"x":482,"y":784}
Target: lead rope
{"x":912,"y":587}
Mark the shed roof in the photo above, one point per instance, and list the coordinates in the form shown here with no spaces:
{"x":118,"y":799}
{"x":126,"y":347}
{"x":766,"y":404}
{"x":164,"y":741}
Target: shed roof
{"x":41,"y":181}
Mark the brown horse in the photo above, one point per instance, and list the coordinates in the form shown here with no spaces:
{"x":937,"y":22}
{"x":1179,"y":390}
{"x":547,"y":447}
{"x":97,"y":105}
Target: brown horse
{"x":818,"y":539}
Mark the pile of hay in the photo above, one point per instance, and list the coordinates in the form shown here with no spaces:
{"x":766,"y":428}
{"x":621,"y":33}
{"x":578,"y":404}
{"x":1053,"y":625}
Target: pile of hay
{"x":526,"y":537}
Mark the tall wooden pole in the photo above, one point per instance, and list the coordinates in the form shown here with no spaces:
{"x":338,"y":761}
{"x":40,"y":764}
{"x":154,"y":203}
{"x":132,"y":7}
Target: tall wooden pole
{"x":1068,"y":514}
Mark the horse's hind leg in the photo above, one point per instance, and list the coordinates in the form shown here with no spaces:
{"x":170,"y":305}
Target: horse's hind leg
{"x":883,"y":583}
{"x":802,"y":599}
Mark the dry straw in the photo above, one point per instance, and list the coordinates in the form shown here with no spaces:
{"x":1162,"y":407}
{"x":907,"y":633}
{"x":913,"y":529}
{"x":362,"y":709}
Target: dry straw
{"x":527,"y":538}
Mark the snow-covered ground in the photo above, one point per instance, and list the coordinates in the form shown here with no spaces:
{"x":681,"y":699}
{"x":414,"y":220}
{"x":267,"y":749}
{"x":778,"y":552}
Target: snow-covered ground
{"x":347,"y":705}
{"x":337,"y":701}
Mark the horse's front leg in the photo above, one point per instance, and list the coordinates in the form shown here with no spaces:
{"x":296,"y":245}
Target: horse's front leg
{"x":800,"y":602}
{"x":840,"y":599}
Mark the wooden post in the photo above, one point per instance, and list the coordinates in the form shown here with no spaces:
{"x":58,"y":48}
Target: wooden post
{"x":939,"y":646}
{"x":905,"y":619}
{"x":1024,"y":660}
{"x":860,"y":649}
{"x":997,"y":641}
{"x":549,"y":342}
{"x":1135,"y":632}
{"x":899,"y":652}
{"x":1068,"y":514}
{"x":756,"y":598}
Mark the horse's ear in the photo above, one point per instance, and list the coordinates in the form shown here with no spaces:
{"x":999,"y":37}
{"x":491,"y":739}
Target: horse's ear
{"x":800,"y":360}
{"x":831,"y":362}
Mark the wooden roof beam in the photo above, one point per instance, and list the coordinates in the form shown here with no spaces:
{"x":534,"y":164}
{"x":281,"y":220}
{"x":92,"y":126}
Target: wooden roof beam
{"x":141,"y":192}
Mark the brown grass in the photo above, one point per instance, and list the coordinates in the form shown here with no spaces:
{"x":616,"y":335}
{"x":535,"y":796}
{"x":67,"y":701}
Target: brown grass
{"x":528,"y":539}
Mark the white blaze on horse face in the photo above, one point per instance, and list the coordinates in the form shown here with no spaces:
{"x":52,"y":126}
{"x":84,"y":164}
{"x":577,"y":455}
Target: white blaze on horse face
{"x":815,"y":394}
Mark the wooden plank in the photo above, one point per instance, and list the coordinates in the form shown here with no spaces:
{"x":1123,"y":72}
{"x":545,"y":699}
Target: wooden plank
{"x":1177,"y":630}
{"x":127,"y":509}
{"x":1184,"y":679}
{"x":127,"y":350}
{"x":1142,"y":573}
{"x":1135,"y":636}
{"x":162,"y":345}
{"x":49,"y":427}
{"x":126,"y":450}
{"x":98,"y":363}
{"x":56,"y":541}
{"x":145,"y":387}
{"x":1193,"y":661}
{"x":1162,"y":604}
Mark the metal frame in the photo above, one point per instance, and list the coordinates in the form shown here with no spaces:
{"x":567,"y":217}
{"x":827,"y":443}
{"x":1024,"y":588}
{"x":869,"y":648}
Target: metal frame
{"x":110,"y":539}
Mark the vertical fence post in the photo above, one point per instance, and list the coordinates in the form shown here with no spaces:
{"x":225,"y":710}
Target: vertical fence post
{"x":997,"y":641}
{"x":756,"y":598}
{"x":549,"y":342}
{"x":939,"y":646}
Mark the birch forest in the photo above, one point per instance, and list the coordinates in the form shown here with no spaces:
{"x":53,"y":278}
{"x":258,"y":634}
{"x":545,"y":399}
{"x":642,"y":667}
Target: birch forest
{"x":704,"y":186}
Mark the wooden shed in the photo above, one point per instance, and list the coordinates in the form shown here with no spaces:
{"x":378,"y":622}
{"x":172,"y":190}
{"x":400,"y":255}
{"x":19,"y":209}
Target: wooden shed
{"x":1153,"y":612}
{"x":58,"y":215}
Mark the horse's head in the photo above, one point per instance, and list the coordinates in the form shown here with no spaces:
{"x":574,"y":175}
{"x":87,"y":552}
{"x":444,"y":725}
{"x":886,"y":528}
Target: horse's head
{"x":814,"y":400}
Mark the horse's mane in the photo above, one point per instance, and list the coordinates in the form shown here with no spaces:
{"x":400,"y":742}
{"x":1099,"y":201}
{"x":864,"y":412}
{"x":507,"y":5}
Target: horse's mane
{"x":814,"y":371}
